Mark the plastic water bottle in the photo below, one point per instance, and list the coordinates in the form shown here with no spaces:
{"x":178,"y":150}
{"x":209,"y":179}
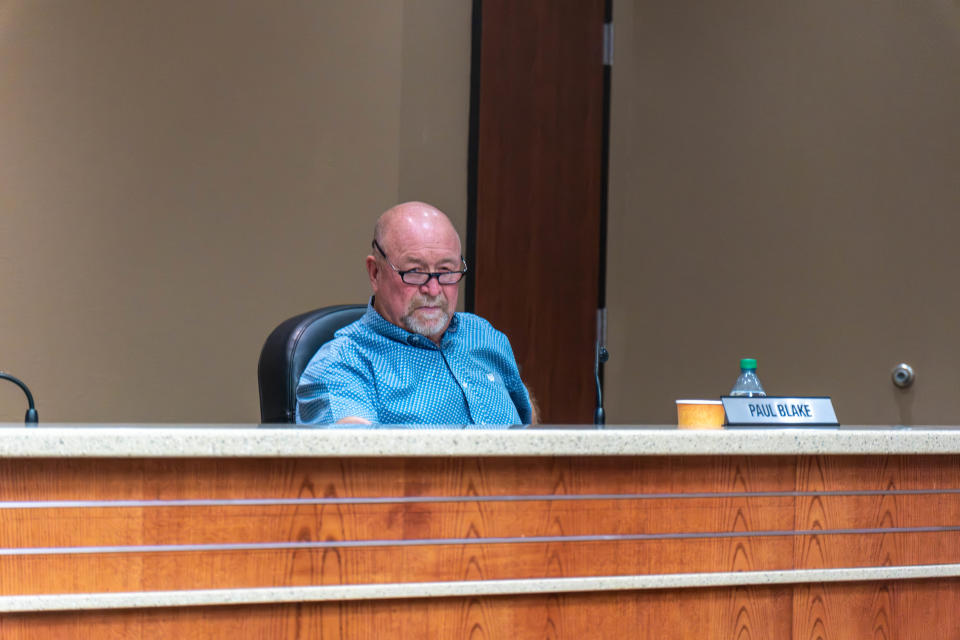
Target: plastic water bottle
{"x":748,"y":384}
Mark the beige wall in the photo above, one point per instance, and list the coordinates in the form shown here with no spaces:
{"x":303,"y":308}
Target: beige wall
{"x":177,"y":177}
{"x":785,"y":184}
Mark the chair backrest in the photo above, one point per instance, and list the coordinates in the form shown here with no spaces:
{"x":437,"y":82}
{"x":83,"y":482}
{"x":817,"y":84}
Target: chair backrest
{"x":287,"y":352}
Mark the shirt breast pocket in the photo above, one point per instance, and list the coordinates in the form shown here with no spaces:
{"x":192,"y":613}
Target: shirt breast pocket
{"x":492,"y":397}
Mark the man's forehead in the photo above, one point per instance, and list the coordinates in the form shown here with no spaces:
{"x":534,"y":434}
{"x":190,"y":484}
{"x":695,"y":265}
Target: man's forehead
{"x":428,"y":252}
{"x":409,"y":237}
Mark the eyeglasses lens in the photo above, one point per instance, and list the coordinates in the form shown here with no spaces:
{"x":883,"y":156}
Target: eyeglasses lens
{"x":419,"y":278}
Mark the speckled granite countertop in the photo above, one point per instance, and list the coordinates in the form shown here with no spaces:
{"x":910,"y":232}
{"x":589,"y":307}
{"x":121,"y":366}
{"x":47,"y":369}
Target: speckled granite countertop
{"x":137,"y":440}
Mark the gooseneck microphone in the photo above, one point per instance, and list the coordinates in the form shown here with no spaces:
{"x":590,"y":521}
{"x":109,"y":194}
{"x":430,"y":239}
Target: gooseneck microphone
{"x":31,"y":417}
{"x":600,"y":355}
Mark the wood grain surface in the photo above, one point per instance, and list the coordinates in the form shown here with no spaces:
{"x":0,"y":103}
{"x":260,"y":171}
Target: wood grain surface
{"x":538,"y":192}
{"x":723,"y":530}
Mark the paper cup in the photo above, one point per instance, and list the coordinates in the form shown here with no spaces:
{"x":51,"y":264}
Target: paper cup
{"x":700,"y":414}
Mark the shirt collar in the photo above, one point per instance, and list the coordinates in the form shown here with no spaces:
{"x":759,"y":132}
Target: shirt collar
{"x":384,"y":327}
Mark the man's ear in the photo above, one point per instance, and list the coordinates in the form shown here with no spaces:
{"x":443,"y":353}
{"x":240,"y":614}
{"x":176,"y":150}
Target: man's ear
{"x":372,"y":270}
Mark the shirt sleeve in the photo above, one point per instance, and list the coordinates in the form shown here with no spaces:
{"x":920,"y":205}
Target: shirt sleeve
{"x":521,"y":399}
{"x":513,"y":382}
{"x":334,"y":387}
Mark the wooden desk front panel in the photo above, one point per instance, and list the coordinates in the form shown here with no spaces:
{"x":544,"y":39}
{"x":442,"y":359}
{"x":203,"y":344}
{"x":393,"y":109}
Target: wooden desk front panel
{"x":738,"y":533}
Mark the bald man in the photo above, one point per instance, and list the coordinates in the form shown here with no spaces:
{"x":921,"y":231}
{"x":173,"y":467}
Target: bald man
{"x":412,"y":359}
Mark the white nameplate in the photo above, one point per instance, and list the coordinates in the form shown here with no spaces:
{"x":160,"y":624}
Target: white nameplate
{"x":779,"y":411}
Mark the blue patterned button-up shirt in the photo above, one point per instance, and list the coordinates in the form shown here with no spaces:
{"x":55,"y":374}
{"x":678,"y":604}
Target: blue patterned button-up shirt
{"x":376,"y":370}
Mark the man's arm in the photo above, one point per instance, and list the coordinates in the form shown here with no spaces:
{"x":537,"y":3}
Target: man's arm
{"x":335,"y":390}
{"x":534,"y":408}
{"x":519,"y":392}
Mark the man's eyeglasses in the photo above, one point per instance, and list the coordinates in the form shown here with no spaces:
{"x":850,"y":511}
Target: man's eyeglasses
{"x":419,"y":278}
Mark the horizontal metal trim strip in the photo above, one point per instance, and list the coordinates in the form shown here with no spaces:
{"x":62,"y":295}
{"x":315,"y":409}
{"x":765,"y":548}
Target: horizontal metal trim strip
{"x":245,"y":502}
{"x":345,"y":544}
{"x":270,"y":595}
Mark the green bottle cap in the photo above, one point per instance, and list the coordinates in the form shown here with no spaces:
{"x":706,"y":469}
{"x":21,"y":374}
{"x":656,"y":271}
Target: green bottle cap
{"x":748,"y":363}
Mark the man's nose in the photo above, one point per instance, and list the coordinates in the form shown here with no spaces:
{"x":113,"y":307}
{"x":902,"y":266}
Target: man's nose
{"x":431,"y":287}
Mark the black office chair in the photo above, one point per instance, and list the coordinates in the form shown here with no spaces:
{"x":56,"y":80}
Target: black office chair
{"x":287,"y":352}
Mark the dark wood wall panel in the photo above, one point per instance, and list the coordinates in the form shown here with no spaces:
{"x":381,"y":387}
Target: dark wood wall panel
{"x":538,"y":191}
